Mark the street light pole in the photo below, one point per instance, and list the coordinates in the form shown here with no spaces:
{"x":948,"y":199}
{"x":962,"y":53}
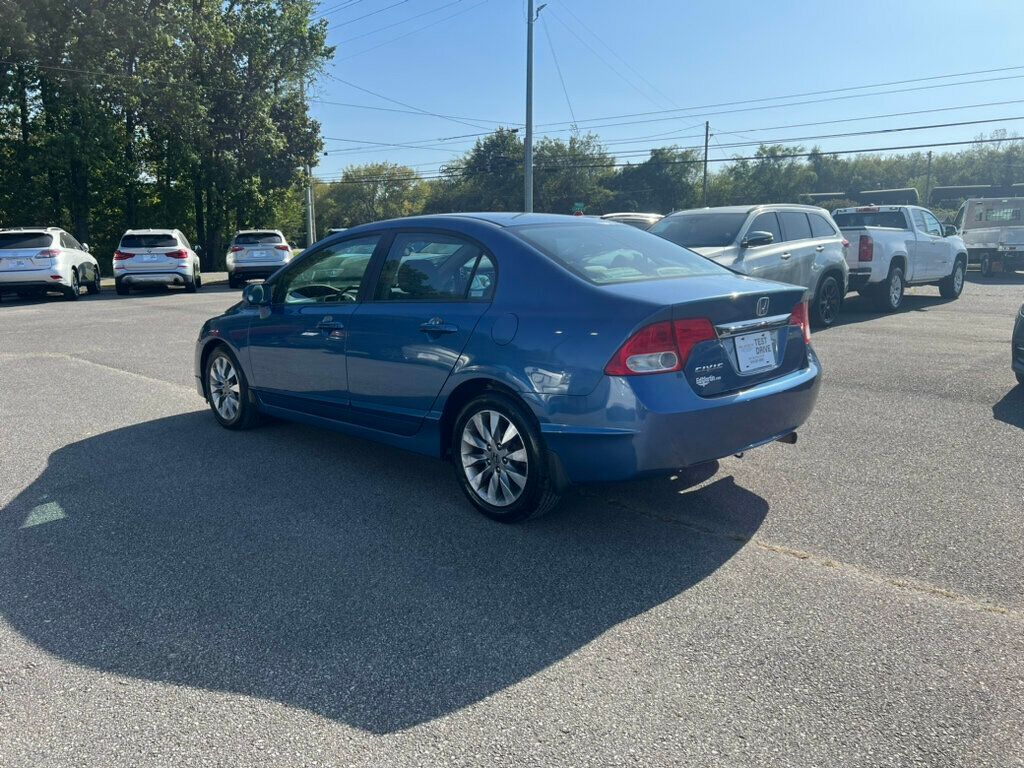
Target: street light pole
{"x":531,"y":17}
{"x":707,"y":137}
{"x":310,"y":225}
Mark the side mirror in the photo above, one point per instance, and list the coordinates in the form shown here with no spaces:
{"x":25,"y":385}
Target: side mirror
{"x":948,"y":230}
{"x":258,"y":295}
{"x":198,"y":249}
{"x":85,"y":247}
{"x":754,"y":239}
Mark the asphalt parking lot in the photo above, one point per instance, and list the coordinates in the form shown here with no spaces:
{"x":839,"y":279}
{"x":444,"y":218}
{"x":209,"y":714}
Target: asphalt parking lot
{"x":175,"y":594}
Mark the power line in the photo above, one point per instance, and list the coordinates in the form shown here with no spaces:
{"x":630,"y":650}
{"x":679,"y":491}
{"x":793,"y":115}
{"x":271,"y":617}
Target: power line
{"x":612,"y":51}
{"x":398,"y":23}
{"x":368,"y":15}
{"x":808,"y":93}
{"x":335,"y":8}
{"x":413,"y":32}
{"x":558,"y":69}
{"x":697,"y":161}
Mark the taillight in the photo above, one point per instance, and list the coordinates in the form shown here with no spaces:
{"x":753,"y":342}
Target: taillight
{"x":121,"y":255}
{"x":48,"y":253}
{"x":866,"y":248}
{"x":282,"y":247}
{"x":660,"y":347}
{"x":236,"y":248}
{"x":177,"y":254}
{"x":801,"y":318}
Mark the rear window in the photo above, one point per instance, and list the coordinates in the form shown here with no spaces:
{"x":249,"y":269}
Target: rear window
{"x":820,"y":227}
{"x":607,"y":253}
{"x":858,"y":219}
{"x":149,"y":241}
{"x":258,"y":238}
{"x":1002,"y":214}
{"x":701,"y":230}
{"x":12,"y":240}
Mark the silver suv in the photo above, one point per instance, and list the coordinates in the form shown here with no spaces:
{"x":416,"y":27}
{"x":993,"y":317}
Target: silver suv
{"x":797,"y":244}
{"x":155,"y":257}
{"x":256,"y":253}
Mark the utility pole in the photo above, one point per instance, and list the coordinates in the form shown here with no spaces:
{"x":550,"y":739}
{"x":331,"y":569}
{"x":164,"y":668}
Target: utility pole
{"x":531,"y":17}
{"x":310,"y":226}
{"x":928,"y":183}
{"x":707,"y":137}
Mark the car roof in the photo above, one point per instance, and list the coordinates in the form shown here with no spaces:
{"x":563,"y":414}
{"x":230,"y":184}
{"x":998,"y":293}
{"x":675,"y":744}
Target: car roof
{"x":750,"y":208}
{"x":31,"y":229}
{"x":638,"y":214}
{"x":497,"y":218}
{"x":257,"y":231}
{"x":150,"y":232}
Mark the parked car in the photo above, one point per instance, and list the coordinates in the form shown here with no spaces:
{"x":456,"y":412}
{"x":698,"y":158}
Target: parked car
{"x":993,"y":232}
{"x":39,"y":260}
{"x":1017,"y":347}
{"x":639,"y":220}
{"x":155,"y":257}
{"x":899,"y":245}
{"x":797,"y":244}
{"x":531,"y":350}
{"x":256,"y":253}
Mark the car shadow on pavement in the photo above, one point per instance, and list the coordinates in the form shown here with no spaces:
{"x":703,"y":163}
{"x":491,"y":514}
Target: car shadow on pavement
{"x":329,"y":573}
{"x":1010,"y":409}
{"x":860,"y":309}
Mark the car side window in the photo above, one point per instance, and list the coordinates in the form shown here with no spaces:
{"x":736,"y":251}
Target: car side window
{"x":332,"y":275}
{"x":767,"y":222}
{"x":918,"y":217}
{"x":932,"y":224}
{"x":184,"y":241}
{"x":820,"y":227}
{"x":795,"y":225}
{"x":435,"y":267}
{"x":958,"y":222}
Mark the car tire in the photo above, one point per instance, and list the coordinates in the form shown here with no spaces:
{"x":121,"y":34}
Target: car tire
{"x":827,"y":302}
{"x":1020,"y":379}
{"x":889,"y":294}
{"x":192,"y":285}
{"x":986,"y":265}
{"x":72,"y":293}
{"x":95,"y":285}
{"x":233,"y":283}
{"x":951,"y":287}
{"x":120,"y":288}
{"x":495,"y":428}
{"x":227,"y":391}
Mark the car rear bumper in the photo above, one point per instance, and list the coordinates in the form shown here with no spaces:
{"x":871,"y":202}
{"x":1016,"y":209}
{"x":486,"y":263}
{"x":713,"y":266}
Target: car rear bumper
{"x":614,"y":436}
{"x":252,"y":271}
{"x":175,"y":277}
{"x":31,"y":279}
{"x":859,"y":277}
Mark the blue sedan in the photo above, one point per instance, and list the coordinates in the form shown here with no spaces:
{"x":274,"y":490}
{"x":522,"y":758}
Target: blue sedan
{"x":532,"y":351}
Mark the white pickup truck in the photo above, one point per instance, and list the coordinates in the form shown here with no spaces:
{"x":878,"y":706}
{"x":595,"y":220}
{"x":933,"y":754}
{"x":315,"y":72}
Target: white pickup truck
{"x":893,"y":246}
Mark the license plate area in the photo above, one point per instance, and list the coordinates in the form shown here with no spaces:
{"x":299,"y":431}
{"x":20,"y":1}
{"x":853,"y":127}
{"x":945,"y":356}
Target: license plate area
{"x":756,"y":351}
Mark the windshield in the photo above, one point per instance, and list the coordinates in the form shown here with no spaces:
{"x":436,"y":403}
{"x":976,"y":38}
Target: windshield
{"x":149,"y":241}
{"x":258,"y":238}
{"x":859,"y":219}
{"x":607,"y":253}
{"x":13,"y":240}
{"x":701,"y":230}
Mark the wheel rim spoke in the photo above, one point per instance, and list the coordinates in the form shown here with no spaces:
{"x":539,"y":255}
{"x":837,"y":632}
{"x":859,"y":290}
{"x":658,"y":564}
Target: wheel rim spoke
{"x":494,"y":458}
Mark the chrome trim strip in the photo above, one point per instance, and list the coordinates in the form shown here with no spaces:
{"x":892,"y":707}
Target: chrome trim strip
{"x":747,"y":326}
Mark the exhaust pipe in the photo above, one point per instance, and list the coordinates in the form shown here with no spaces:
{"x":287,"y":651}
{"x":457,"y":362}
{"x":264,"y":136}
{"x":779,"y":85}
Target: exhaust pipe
{"x":790,"y":439}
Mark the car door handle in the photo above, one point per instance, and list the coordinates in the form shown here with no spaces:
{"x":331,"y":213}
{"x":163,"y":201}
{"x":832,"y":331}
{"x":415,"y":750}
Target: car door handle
{"x":438,"y":326}
{"x":820,"y":248}
{"x":785,"y":255}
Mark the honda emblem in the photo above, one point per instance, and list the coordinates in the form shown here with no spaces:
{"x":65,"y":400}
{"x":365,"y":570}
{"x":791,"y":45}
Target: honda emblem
{"x":762,"y":306}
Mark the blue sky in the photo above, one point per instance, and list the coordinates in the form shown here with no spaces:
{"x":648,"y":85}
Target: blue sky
{"x":670,"y":58}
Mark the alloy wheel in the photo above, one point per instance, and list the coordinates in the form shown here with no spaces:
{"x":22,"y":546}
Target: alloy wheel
{"x":828,"y":302}
{"x":225,"y":392}
{"x":896,"y":289}
{"x":494,"y":458}
{"x":958,"y":279}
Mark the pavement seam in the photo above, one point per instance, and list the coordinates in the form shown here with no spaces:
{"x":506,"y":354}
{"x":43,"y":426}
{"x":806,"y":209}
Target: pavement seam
{"x":76,"y":358}
{"x":901,"y":583}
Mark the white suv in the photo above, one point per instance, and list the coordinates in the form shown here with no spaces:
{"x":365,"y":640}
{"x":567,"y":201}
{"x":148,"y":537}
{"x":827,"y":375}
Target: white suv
{"x":35,"y":260}
{"x":155,"y":257}
{"x":256,"y":253}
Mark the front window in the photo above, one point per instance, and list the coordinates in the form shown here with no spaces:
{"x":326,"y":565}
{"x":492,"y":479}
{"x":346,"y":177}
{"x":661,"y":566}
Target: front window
{"x":329,"y":276}
{"x":10,"y":241}
{"x":701,"y":230}
{"x":149,"y":241}
{"x":606,"y":254}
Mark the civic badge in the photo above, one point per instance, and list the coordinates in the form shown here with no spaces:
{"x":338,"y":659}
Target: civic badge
{"x":762,"y":306}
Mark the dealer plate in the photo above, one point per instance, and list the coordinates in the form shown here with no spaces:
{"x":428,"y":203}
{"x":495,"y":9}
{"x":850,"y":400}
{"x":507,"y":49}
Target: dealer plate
{"x":755,"y":351}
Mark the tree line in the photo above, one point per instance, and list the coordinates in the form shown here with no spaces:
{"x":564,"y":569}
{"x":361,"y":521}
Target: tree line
{"x":489,"y":176}
{"x":118,"y":114}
